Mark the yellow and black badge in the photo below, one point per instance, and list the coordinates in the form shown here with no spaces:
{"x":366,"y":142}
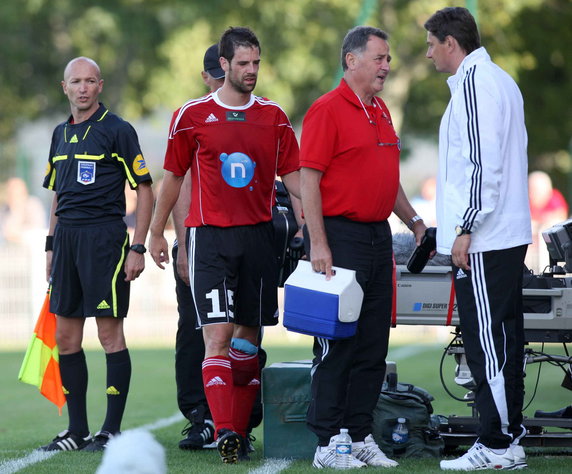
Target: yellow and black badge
{"x":139,"y":165}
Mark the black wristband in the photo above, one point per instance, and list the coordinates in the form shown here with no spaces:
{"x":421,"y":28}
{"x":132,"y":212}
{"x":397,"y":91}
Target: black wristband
{"x":49,"y":243}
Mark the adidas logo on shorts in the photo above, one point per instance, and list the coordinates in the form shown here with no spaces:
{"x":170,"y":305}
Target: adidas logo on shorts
{"x":460,"y":274}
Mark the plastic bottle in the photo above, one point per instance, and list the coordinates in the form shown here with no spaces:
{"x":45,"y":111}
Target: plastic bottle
{"x":343,"y":449}
{"x":400,"y":436}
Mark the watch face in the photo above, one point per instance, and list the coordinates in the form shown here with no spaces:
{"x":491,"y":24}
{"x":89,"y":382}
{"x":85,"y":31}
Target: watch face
{"x":459,"y":230}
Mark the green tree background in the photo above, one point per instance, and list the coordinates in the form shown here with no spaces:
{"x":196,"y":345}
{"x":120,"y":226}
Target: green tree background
{"x":150,"y":52}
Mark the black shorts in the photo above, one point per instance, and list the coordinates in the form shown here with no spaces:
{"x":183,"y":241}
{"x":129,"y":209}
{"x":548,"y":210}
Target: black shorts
{"x":233,"y":274}
{"x":88,"y":276}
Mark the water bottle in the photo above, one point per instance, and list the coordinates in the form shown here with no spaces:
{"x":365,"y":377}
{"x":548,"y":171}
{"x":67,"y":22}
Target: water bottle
{"x":343,"y":449}
{"x":400,"y":436}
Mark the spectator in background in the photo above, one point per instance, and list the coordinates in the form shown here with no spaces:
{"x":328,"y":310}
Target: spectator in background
{"x":424,"y":203}
{"x":547,"y":207}
{"x":20,"y":212}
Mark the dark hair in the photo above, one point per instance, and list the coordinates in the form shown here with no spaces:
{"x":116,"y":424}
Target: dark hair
{"x":356,"y":40}
{"x":458,"y":23}
{"x":234,"y":37}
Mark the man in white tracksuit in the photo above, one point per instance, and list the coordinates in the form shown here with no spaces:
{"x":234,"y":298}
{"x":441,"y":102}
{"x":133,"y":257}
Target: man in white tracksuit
{"x":483,"y":222}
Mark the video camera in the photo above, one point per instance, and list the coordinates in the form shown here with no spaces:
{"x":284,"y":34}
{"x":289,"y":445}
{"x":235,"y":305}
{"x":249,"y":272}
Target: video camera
{"x":558,"y":239}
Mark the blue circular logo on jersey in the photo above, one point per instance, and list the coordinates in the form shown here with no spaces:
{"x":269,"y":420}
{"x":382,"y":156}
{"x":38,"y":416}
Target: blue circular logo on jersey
{"x":237,"y":169}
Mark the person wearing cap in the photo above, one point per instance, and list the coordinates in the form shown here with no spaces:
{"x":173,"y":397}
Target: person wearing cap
{"x":234,"y":143}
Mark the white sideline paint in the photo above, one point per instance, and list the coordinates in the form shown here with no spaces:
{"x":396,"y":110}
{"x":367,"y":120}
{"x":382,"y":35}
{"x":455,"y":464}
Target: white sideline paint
{"x":14,"y":465}
{"x":405,"y":352}
{"x":272,"y":466}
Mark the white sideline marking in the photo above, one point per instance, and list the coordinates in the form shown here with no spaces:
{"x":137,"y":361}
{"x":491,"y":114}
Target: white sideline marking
{"x":272,"y":466}
{"x":14,"y":465}
{"x":404,"y":352}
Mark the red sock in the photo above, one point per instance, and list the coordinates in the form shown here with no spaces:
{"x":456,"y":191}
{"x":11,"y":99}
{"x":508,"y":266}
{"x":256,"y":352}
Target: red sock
{"x":246,"y":376}
{"x":219,"y":387}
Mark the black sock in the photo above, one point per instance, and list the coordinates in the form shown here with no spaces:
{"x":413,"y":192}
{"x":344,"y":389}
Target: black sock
{"x":73,"y":369}
{"x":118,"y":378}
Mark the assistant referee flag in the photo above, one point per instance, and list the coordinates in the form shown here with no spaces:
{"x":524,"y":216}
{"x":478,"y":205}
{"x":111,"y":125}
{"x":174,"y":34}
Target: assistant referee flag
{"x":41,"y":363}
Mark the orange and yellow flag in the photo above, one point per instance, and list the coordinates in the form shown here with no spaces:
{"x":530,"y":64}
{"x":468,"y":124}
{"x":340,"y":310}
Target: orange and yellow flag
{"x":41,"y":363}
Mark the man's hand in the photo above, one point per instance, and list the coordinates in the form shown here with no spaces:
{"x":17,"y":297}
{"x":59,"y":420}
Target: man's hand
{"x":460,"y":251}
{"x":159,"y":249}
{"x":134,"y":265}
{"x":418,"y":230}
{"x":49,"y":255}
{"x":321,"y":258}
{"x":183,"y":264}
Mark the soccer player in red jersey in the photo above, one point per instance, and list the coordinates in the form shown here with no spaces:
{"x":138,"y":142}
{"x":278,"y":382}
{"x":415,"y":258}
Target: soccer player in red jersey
{"x":235,"y":144}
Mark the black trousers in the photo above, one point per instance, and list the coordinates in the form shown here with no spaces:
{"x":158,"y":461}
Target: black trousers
{"x":189,"y":350}
{"x":189,"y":355}
{"x":347,"y":374}
{"x":489,"y":297}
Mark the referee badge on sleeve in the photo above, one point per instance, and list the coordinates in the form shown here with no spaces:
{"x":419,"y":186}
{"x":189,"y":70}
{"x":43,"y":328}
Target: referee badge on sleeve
{"x":86,"y":172}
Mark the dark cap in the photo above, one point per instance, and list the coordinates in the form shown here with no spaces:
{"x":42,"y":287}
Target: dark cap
{"x":212,"y":64}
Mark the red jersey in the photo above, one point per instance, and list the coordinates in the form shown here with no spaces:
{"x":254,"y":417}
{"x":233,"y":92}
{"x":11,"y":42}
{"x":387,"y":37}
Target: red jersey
{"x":357,"y":149}
{"x":234,"y":154}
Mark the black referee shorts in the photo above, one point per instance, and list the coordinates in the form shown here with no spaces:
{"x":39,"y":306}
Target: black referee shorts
{"x":88,"y":277}
{"x":233,"y":274}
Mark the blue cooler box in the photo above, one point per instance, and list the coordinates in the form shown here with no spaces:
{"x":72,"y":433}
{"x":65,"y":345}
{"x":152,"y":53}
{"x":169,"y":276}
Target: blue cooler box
{"x":319,"y":307}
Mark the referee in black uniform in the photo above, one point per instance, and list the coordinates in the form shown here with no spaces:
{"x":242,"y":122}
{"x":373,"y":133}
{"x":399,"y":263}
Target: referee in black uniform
{"x":88,"y":255}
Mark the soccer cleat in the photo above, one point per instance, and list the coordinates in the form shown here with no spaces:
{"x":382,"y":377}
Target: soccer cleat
{"x":325,"y":457}
{"x":250,"y":439}
{"x":67,"y":441}
{"x":99,"y":441}
{"x":198,"y":436}
{"x":229,"y":445}
{"x":243,"y":452}
{"x":519,"y":456}
{"x":480,"y":457}
{"x":368,"y":451}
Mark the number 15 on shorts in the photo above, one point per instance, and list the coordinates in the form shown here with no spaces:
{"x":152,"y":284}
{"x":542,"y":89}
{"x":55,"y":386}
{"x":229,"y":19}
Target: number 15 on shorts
{"x":216,"y":312}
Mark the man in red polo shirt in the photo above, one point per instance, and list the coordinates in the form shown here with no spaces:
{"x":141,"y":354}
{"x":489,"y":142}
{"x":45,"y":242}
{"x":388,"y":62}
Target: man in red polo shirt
{"x":350,"y":185}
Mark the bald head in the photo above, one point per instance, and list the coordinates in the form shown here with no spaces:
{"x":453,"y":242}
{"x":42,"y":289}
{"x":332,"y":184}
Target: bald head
{"x":82,"y":84}
{"x":83,"y":61}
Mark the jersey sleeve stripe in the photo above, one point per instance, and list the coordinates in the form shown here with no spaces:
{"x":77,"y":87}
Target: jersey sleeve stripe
{"x":174,"y":130}
{"x":130,"y":178}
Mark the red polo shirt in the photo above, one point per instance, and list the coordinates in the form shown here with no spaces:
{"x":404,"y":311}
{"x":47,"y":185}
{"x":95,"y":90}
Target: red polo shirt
{"x":357,"y":149}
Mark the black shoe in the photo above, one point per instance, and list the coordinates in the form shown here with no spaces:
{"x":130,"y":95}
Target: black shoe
{"x":198,"y":436}
{"x":67,"y":441}
{"x":229,"y":445}
{"x":562,"y":413}
{"x":99,"y":441}
{"x":246,"y":447}
{"x":250,"y":439}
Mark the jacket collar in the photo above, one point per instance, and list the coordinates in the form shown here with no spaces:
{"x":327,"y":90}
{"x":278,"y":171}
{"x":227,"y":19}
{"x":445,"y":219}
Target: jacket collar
{"x":479,"y":55}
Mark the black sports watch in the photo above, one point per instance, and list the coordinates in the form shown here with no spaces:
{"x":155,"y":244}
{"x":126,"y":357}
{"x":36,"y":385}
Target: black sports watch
{"x":461,"y":231}
{"x":138,"y":248}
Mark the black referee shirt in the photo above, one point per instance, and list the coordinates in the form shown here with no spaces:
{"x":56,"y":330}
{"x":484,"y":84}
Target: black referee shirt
{"x":89,"y":163}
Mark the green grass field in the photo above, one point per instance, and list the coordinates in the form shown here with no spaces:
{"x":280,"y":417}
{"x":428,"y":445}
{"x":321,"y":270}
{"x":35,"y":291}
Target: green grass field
{"x":28,"y":420}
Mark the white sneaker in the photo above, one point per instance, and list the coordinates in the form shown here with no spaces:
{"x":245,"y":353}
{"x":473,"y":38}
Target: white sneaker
{"x":325,"y":456}
{"x":368,"y":451}
{"x":519,"y":456}
{"x":480,"y":457}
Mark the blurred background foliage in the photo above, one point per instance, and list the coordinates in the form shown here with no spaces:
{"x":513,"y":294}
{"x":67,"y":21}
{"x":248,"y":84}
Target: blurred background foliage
{"x":150,"y":53}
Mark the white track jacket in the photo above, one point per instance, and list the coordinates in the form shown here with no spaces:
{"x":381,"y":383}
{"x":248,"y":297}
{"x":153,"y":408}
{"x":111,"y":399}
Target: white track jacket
{"x":482,"y":183}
